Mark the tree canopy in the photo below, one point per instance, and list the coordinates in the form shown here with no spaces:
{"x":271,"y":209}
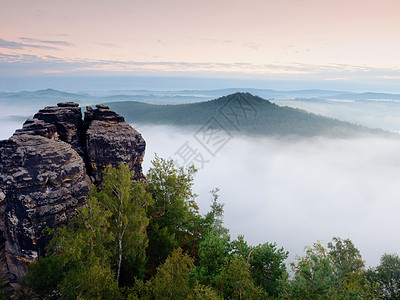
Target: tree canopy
{"x":134,"y":240}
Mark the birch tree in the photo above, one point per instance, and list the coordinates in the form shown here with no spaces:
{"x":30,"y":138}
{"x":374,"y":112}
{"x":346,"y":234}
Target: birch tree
{"x":127,"y":201}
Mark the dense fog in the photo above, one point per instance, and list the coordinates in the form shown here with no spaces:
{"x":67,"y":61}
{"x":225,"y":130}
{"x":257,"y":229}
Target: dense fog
{"x":383,"y":114}
{"x":298,"y":191}
{"x":14,"y":113}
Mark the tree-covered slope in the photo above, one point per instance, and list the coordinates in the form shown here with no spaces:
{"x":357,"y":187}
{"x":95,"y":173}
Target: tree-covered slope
{"x":238,"y":112}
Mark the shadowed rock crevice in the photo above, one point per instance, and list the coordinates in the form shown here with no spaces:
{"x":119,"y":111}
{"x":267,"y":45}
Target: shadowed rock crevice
{"x":46,"y":170}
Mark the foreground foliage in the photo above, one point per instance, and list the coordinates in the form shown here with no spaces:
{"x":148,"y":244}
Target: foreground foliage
{"x":148,"y":241}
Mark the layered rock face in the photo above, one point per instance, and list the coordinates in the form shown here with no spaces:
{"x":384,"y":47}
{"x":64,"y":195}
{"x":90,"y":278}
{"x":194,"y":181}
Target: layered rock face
{"x":45,"y":171}
{"x":109,"y":140}
{"x":67,"y":118}
{"x":43,"y":181}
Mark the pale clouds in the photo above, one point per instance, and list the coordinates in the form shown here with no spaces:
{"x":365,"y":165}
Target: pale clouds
{"x":261,"y":33}
{"x":18,"y":45}
{"x":51,"y":42}
{"x":27,"y":64}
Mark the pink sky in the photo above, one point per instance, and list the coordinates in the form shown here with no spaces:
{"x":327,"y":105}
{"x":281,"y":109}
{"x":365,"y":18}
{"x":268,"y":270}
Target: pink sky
{"x":323,"y":39}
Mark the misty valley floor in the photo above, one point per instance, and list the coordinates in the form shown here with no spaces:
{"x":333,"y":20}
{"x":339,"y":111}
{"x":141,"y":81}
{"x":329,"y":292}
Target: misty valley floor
{"x":301,"y":191}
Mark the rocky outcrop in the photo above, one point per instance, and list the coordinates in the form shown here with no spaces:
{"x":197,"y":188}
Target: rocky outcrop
{"x":38,"y":127}
{"x":109,"y":140}
{"x":67,"y":118}
{"x":43,"y":182}
{"x":46,"y":170}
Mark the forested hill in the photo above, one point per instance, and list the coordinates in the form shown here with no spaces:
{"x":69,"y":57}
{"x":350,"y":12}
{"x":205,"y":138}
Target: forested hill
{"x":238,"y":112}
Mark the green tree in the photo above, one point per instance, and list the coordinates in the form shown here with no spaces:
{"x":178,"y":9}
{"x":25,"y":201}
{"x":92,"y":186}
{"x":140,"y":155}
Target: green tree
{"x":213,"y":251}
{"x":266,"y":264}
{"x":174,"y":205}
{"x":204,"y":292}
{"x":198,"y":227}
{"x":127,"y":202}
{"x":216,"y":214}
{"x":235,"y":282}
{"x":346,"y":257}
{"x":95,"y":281}
{"x":349,"y":267}
{"x":386,"y":276}
{"x":172,"y":277}
{"x":85,"y":258}
{"x":335,"y":272}
{"x":45,"y":276}
{"x":314,"y":275}
{"x":77,"y":254}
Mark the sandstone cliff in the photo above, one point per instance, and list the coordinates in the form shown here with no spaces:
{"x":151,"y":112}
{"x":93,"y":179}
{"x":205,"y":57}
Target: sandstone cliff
{"x":46,"y":170}
{"x":109,"y":140}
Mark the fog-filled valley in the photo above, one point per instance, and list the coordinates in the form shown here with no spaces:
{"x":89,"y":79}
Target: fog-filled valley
{"x":292,"y":191}
{"x":384,"y":114}
{"x":297,"y":191}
